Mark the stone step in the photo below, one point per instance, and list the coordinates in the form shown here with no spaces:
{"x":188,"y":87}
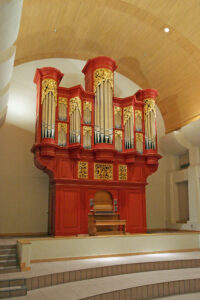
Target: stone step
{"x":8,"y":263}
{"x":105,"y":271}
{"x":12,"y":282}
{"x":8,"y":257}
{"x":15,"y":291}
{"x":8,"y":247}
{"x":10,"y":269}
{"x":7,"y":251}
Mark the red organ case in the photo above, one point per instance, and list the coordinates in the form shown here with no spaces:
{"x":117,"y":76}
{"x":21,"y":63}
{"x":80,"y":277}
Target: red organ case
{"x":88,"y":141}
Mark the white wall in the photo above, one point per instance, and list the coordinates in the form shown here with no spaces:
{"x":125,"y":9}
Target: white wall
{"x":24,"y":188}
{"x":156,"y":188}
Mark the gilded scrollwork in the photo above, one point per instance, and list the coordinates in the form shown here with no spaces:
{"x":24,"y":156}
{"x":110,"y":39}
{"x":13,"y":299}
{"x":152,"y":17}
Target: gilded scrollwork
{"x":102,"y":74}
{"x":128,"y":112}
{"x":149,"y":105}
{"x":62,"y":126}
{"x":139,"y":137}
{"x":139,"y":142}
{"x":87,"y":130}
{"x":75,"y":103}
{"x":138,"y":114}
{"x":83,"y":169}
{"x":87,"y":105}
{"x":103,"y":171}
{"x":117,"y":110}
{"x":49,"y":85}
{"x":118,"y":133}
{"x":62,"y":100}
{"x":122,"y":172}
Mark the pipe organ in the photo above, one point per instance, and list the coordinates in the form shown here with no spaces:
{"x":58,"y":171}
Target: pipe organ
{"x":87,"y":139}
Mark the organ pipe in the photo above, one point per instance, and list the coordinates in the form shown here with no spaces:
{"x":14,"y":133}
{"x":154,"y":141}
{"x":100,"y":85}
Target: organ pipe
{"x":103,"y":87}
{"x":49,"y":102}
{"x":138,"y":120}
{"x":149,"y":120}
{"x":128,"y":127}
{"x":75,"y":120}
{"x":87,"y":134}
{"x":62,"y":109}
{"x":118,"y":140}
{"x":117,"y":116}
{"x":139,"y":142}
{"x":87,"y":110}
{"x":62,"y":134}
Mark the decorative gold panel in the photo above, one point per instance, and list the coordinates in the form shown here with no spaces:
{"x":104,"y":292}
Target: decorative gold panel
{"x":62,"y":126}
{"x":102,"y":75}
{"x":117,"y":110}
{"x":87,"y":129}
{"x":75,"y":103}
{"x":62,"y":100}
{"x":123,"y":172}
{"x":138,"y":114}
{"x":49,"y":85}
{"x":139,"y":142}
{"x":128,"y":111}
{"x":103,"y":171}
{"x":138,"y":120}
{"x":87,"y":105}
{"x":83,"y":169}
{"x":118,"y":133}
{"x":149,"y":106}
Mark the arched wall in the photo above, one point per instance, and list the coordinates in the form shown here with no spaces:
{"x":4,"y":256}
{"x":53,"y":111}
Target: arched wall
{"x":24,"y":188}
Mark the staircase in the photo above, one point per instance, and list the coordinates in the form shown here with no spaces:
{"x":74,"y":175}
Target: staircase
{"x":9,"y":264}
{"x":12,"y":288}
{"x":8,"y":259}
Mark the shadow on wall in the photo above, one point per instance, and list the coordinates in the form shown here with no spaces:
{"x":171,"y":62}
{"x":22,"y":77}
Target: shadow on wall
{"x":24,"y":188}
{"x":131,"y":67}
{"x":165,"y":106}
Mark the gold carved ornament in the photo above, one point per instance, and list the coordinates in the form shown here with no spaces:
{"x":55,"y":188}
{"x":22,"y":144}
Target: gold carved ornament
{"x":128,"y":112}
{"x":149,"y":105}
{"x":83,"y":169}
{"x":49,"y":85}
{"x":103,"y":171}
{"x":62,"y":100}
{"x":87,"y":105}
{"x":87,"y":130}
{"x":122,"y":172}
{"x":75,"y":103}
{"x":118,"y":133}
{"x":62,"y":126}
{"x":117,"y":110}
{"x":101,"y":75}
{"x":138,"y":114}
{"x":139,"y":137}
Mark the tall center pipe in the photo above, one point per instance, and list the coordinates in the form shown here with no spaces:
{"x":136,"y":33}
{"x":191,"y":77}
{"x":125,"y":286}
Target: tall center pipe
{"x":99,"y":77}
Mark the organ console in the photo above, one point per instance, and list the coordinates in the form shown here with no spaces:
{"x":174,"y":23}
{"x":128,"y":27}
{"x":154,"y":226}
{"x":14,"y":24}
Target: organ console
{"x":88,"y":140}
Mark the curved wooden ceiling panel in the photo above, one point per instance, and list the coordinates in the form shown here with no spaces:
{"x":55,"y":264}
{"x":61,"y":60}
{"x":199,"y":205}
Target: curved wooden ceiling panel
{"x":131,"y":32}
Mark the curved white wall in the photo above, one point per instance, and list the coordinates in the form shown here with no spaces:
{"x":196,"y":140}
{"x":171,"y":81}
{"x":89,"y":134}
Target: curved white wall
{"x":10,"y":13}
{"x":24,"y":188}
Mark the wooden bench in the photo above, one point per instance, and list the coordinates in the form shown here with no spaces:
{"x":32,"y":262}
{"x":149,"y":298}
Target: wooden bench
{"x":99,"y":223}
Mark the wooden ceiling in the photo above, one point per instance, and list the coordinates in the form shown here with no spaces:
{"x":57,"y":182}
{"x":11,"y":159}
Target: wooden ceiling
{"x":132,"y":33}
